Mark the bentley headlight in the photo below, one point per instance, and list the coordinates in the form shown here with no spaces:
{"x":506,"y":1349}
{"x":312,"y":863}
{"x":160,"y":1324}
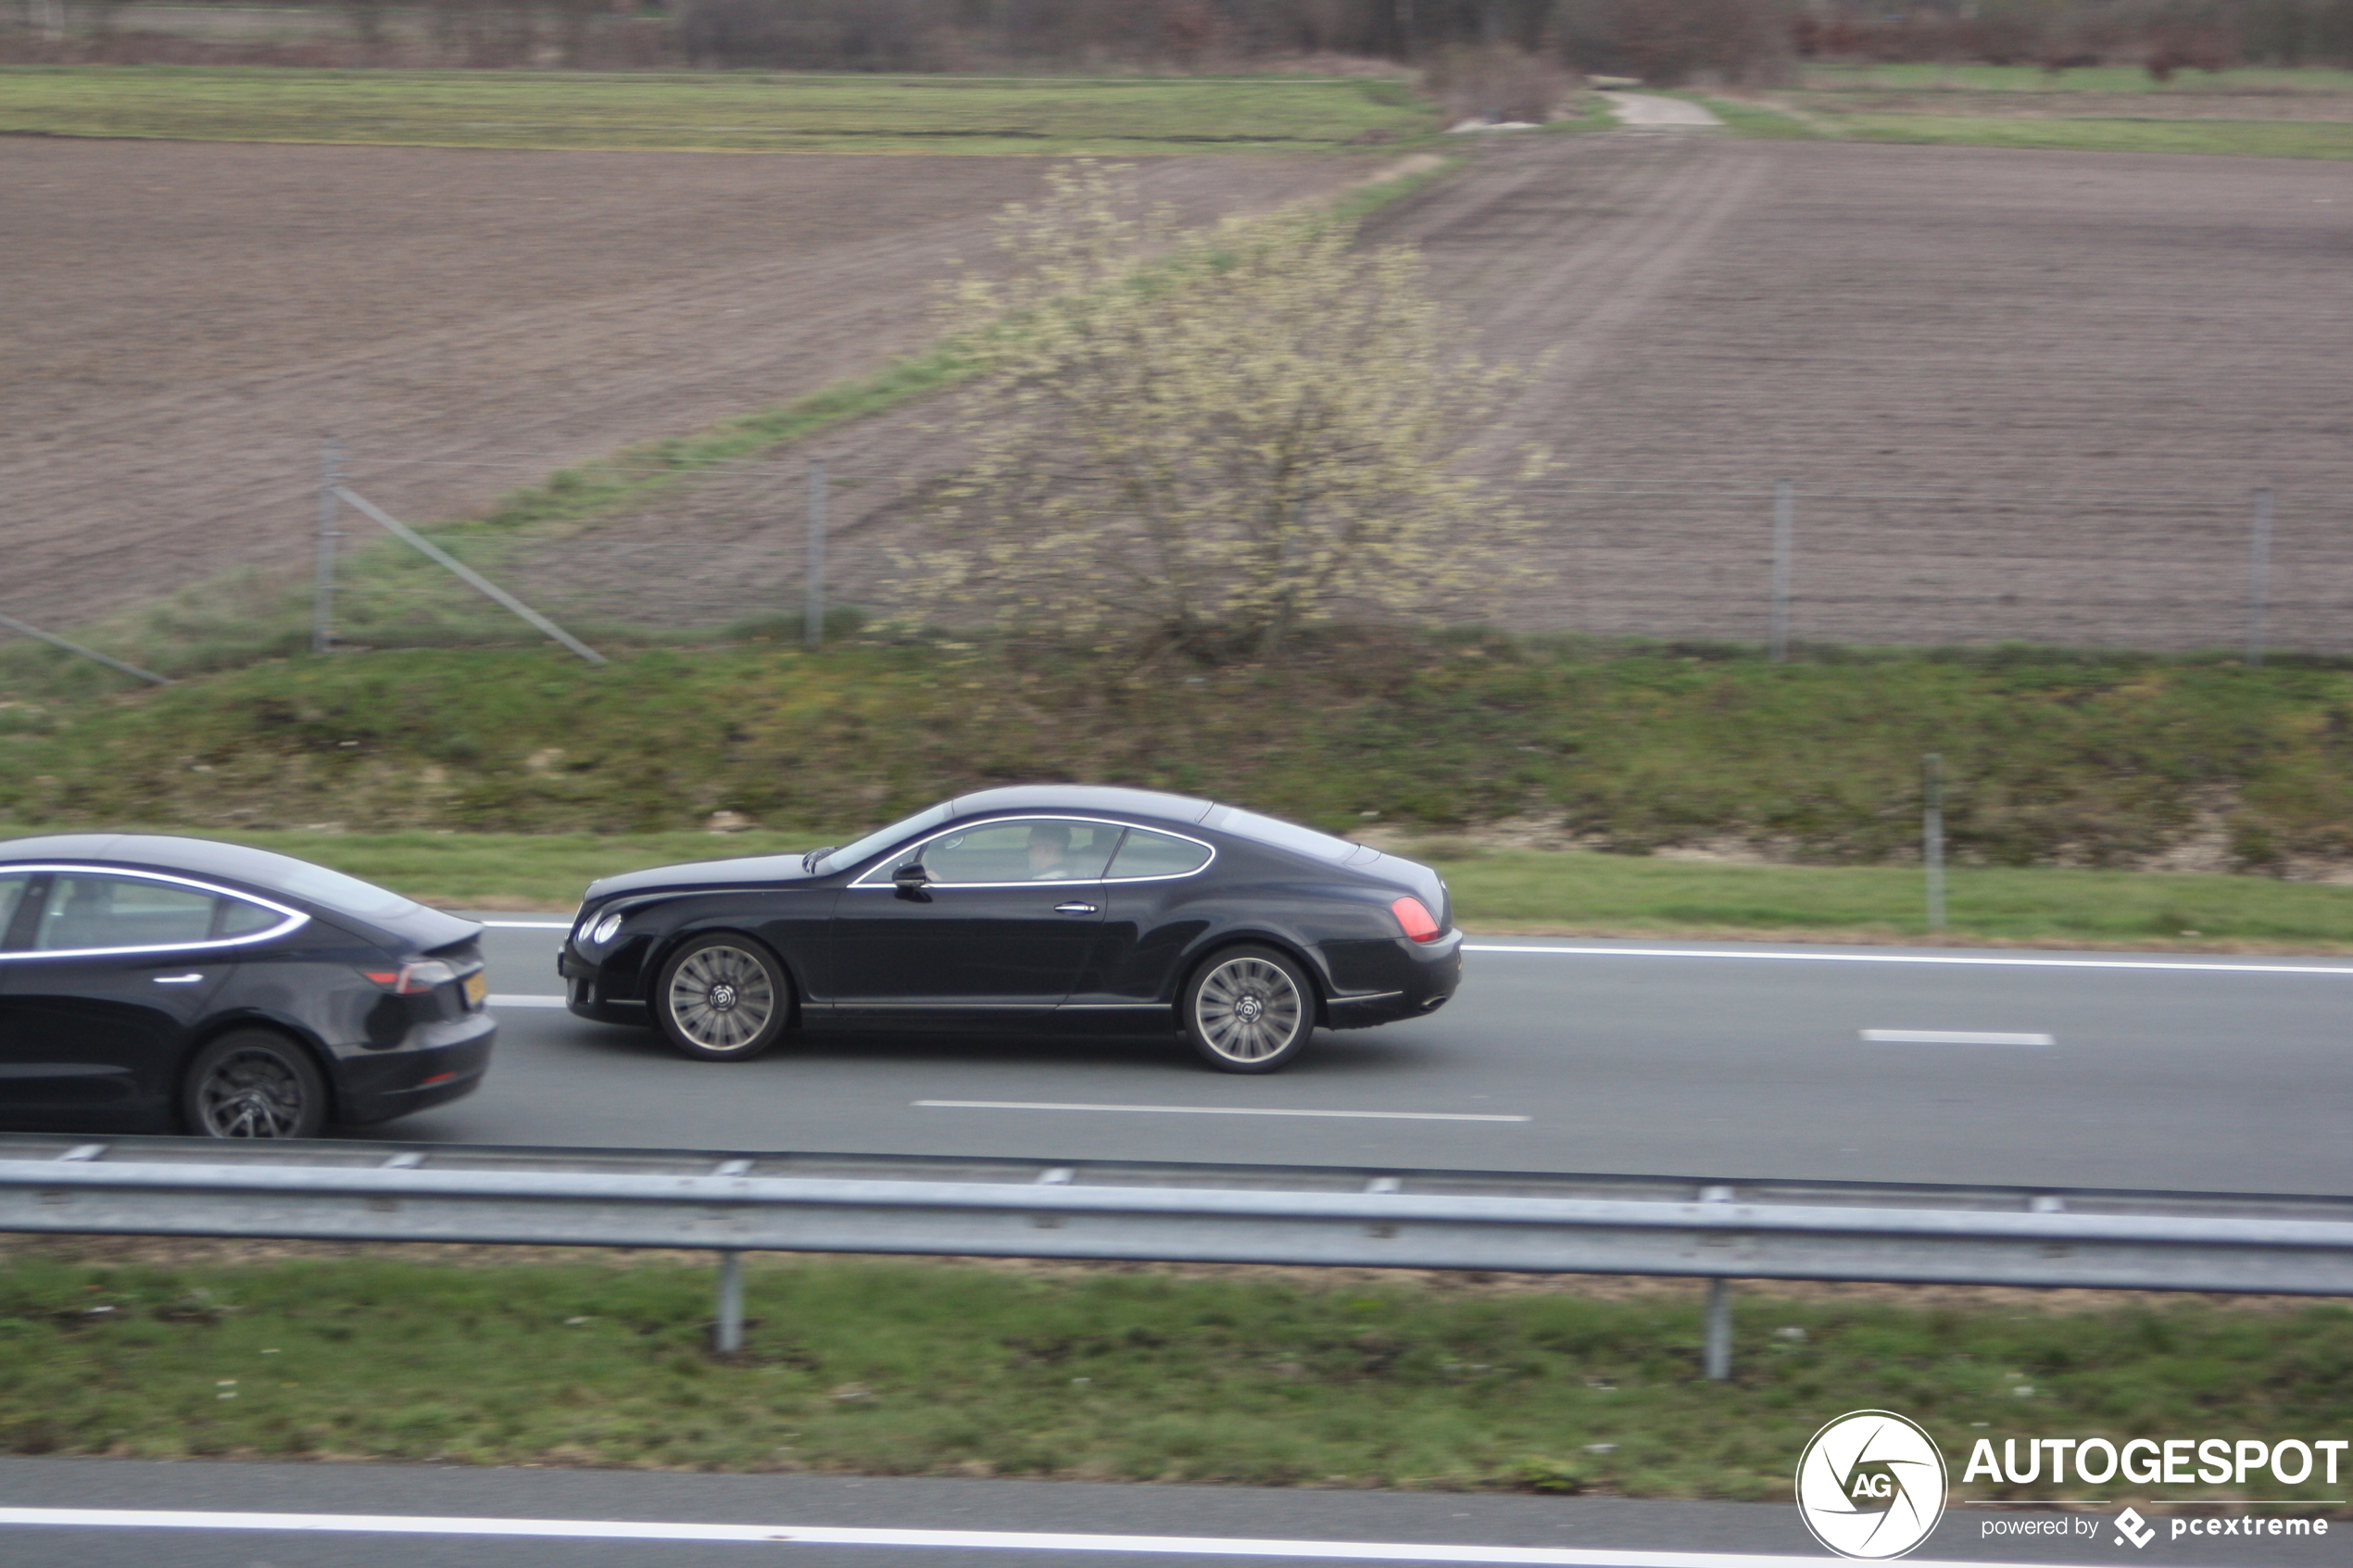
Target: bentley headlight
{"x":606,"y":929}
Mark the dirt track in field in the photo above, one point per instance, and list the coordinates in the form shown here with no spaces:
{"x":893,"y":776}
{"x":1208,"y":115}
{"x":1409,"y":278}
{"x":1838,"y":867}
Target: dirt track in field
{"x":184,"y":322}
{"x":2020,"y":395}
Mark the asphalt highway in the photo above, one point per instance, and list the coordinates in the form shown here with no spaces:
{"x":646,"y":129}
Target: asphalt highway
{"x":134,"y":1515}
{"x":1708,"y":1061}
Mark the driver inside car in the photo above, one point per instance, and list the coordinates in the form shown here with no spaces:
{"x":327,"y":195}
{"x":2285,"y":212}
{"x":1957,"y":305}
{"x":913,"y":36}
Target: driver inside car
{"x":1049,"y":853}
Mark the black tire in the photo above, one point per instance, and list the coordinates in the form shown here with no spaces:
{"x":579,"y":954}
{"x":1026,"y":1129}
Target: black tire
{"x":721,"y":997}
{"x":1248,"y":1009}
{"x":253,"y":1083}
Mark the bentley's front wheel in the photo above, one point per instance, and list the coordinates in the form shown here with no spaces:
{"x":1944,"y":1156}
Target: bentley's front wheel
{"x":721,"y":997}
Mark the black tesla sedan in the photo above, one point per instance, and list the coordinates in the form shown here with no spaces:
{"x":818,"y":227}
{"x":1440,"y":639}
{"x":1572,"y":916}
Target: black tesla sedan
{"x":1105,"y":908}
{"x":177,"y":984}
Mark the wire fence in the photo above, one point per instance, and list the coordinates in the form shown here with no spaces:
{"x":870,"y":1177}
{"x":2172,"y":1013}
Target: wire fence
{"x":792,"y":546}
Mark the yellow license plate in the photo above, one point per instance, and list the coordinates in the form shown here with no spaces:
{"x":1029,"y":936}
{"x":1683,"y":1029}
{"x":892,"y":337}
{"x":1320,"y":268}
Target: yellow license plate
{"x":477,"y":987}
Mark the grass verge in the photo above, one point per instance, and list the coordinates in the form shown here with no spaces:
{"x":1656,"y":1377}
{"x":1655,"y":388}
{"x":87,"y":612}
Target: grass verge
{"x":2099,"y":761}
{"x":1495,"y":890}
{"x":2231,"y":138}
{"x":909,"y":1369}
{"x":1915,"y":77}
{"x":2134,"y":124}
{"x":730,"y":111}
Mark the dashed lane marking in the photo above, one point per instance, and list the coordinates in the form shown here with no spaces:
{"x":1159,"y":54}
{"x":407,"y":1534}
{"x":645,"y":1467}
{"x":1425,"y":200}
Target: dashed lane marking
{"x":1952,"y":1037}
{"x":1213,"y":1110}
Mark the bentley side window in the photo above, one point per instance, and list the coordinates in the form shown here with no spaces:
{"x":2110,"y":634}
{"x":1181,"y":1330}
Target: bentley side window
{"x":1150,"y":854}
{"x":1026,"y":849}
{"x":86,"y":911}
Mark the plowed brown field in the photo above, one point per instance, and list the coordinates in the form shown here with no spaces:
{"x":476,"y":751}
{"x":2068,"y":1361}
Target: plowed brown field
{"x":2020,"y":395}
{"x":184,"y":322}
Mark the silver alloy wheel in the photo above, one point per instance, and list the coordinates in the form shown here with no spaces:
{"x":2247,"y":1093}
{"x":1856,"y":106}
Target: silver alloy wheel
{"x":252,"y":1093}
{"x":721,"y":997}
{"x":1248,"y":1010}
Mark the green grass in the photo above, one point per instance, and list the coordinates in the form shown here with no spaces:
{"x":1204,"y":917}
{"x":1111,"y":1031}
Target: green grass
{"x":1533,"y":890}
{"x":1756,"y":122}
{"x":2232,"y":138}
{"x":1919,"y":78}
{"x":2098,"y":761}
{"x":907,"y":1369}
{"x":1821,"y":116}
{"x":1495,"y":890}
{"x":714,"y":111}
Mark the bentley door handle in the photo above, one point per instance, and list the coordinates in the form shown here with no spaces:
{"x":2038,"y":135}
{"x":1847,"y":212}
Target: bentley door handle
{"x":177,"y":979}
{"x":1073,"y":908}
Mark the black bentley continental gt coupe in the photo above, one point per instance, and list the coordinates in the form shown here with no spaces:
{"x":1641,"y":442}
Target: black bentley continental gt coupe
{"x":1063,"y":904}
{"x":179,"y":984}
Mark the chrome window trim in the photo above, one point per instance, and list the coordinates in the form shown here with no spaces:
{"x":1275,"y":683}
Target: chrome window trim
{"x":296,"y":920}
{"x":898,"y":857}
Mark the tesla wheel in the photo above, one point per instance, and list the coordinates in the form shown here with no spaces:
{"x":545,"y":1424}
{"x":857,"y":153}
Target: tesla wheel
{"x":1248,"y":1010}
{"x":722,"y":998}
{"x":254,"y":1085}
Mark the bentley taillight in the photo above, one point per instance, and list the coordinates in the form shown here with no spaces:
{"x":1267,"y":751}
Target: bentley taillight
{"x":1416,"y":919}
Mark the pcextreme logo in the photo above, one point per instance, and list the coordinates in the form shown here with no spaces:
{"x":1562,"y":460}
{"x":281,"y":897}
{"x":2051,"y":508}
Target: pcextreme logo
{"x":1871,"y":1484}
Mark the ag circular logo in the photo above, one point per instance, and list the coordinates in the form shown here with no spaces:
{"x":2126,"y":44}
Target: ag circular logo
{"x":1871,"y":1484}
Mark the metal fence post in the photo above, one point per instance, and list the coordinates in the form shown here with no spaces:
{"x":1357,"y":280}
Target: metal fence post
{"x":815,"y":609}
{"x":814,"y":614}
{"x":2259,"y":575}
{"x":1784,"y":525}
{"x":322,"y":614}
{"x":1719,"y":1329}
{"x":729,"y":1337}
{"x":1933,"y":835}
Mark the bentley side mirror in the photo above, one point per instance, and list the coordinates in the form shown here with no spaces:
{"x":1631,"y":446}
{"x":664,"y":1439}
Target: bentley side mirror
{"x":910,"y":876}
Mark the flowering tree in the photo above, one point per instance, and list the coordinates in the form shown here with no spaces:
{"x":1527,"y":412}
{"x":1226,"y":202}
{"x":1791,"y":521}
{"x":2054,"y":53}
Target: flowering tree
{"x":1217,"y":435}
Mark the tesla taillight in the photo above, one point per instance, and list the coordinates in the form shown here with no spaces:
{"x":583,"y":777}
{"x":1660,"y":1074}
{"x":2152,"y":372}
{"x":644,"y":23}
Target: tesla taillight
{"x":413,"y":979}
{"x":1416,"y":919}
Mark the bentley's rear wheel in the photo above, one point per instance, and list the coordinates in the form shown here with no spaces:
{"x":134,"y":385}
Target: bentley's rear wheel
{"x":1248,"y":1010}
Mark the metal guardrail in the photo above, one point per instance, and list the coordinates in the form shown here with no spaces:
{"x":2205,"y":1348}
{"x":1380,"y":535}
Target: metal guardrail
{"x":1169,"y":1212}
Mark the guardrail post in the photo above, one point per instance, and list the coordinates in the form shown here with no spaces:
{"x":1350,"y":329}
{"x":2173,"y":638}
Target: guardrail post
{"x":1719,"y":1329}
{"x":728,"y":1338}
{"x":1717,"y":1355}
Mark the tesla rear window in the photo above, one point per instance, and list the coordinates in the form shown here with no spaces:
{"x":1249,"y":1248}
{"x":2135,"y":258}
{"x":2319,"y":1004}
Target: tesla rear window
{"x":344,"y":894}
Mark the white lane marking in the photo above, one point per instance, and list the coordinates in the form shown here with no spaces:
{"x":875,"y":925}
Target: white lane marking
{"x":1995,"y":960}
{"x":1952,"y":1037}
{"x":1213,"y":1110}
{"x":821,"y":1535}
{"x":497,"y":1001}
{"x":525,"y":924}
